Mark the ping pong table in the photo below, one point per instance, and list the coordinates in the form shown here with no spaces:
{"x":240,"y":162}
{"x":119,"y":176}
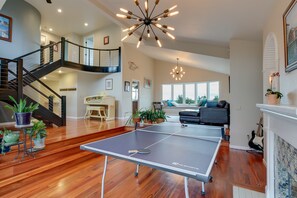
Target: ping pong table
{"x":187,"y":151}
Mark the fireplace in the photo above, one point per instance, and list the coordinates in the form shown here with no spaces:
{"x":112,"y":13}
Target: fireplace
{"x":285,"y":169}
{"x":280,"y":152}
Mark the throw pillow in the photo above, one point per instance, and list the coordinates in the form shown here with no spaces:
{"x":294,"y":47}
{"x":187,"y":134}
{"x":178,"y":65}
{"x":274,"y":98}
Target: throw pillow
{"x":169,"y":103}
{"x":211,"y":103}
{"x":221,"y":104}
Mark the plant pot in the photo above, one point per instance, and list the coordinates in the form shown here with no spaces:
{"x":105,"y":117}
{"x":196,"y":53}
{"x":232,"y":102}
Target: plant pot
{"x":136,"y":120}
{"x":23,"y":118}
{"x":39,"y":143}
{"x":12,"y":137}
{"x":5,"y":148}
{"x":159,"y":120}
{"x":272,"y":99}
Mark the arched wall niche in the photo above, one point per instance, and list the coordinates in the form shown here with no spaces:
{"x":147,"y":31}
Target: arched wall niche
{"x":270,"y":63}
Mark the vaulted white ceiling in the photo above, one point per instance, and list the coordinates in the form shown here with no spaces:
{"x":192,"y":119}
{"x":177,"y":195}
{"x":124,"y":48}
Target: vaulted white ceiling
{"x":199,"y":23}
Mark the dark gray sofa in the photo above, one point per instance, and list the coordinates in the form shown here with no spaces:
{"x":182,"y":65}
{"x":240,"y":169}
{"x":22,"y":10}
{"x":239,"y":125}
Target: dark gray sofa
{"x":213,"y":114}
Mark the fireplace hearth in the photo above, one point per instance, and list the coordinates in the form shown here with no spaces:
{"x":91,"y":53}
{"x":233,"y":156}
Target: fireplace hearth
{"x":285,"y":169}
{"x":280,"y":152}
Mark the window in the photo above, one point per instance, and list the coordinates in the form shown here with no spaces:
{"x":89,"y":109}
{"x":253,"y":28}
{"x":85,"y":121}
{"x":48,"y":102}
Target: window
{"x":191,"y":93}
{"x":214,"y":90}
{"x":166,"y":92}
{"x":201,"y":90}
{"x":178,"y":93}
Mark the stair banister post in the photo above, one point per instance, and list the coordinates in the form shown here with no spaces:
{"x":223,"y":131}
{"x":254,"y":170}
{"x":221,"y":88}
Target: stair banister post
{"x":62,"y":50}
{"x":63,"y":110}
{"x":20,"y":79}
{"x":4,"y":74}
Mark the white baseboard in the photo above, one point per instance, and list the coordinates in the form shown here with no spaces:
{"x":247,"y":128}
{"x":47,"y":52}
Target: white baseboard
{"x":74,"y":118}
{"x":240,"y":147}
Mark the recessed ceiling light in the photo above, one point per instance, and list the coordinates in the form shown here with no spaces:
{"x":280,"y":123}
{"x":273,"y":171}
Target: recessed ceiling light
{"x":50,"y":29}
{"x":86,"y":24}
{"x":44,"y":77}
{"x":60,"y":71}
{"x":60,"y":10}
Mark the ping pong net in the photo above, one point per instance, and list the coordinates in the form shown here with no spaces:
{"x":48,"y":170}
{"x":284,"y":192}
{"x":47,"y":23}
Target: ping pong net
{"x":208,"y":133}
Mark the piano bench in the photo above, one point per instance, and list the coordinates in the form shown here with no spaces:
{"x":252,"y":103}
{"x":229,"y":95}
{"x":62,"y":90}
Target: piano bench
{"x":100,"y":112}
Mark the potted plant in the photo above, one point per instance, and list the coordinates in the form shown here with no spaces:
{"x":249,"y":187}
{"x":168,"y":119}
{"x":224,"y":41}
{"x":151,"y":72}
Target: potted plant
{"x":9,"y":138}
{"x":22,"y":112}
{"x":136,"y":116}
{"x":38,"y":134}
{"x":160,"y":116}
{"x":273,"y":97}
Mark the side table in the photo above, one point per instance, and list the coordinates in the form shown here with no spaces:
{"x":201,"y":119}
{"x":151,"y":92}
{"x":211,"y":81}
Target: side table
{"x":23,"y":128}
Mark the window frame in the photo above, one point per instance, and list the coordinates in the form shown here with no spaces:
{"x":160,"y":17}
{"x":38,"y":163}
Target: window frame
{"x":195,"y":90}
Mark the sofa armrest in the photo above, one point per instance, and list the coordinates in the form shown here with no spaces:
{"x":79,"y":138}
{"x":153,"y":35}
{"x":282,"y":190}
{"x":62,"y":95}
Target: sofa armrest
{"x":214,"y":115}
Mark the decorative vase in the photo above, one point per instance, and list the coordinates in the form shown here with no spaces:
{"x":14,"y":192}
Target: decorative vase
{"x":272,"y":99}
{"x":23,"y":118}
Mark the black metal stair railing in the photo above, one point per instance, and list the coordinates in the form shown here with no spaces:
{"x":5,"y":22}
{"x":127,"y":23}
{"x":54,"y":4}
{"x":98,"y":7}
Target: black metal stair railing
{"x":52,"y":106}
{"x":91,"y":59}
{"x":22,"y":74}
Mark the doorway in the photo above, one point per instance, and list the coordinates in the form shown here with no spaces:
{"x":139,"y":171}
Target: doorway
{"x":135,"y":96}
{"x":88,"y":51}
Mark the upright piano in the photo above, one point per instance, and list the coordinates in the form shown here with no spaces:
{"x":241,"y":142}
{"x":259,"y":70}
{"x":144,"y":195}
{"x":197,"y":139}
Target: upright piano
{"x":98,"y":100}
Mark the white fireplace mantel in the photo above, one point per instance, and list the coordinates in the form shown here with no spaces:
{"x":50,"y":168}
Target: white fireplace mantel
{"x":278,"y":120}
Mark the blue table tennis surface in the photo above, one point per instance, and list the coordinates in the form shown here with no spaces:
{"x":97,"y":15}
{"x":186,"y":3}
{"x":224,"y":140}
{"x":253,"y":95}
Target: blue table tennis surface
{"x":189,"y":151}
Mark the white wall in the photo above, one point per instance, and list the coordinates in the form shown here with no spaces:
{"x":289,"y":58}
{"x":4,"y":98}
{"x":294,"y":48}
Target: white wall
{"x":145,"y":70}
{"x":288,"y":81}
{"x":25,"y":30}
{"x":69,"y":80}
{"x":162,"y":76}
{"x":246,"y":89}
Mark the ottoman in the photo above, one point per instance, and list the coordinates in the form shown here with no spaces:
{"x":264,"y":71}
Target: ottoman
{"x":190,"y":116}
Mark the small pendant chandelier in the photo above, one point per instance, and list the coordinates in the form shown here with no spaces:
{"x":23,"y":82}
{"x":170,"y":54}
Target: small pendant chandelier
{"x":149,"y":22}
{"x":177,"y":72}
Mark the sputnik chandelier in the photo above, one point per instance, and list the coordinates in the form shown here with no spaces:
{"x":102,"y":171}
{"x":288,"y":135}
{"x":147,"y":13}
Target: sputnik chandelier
{"x":147,"y":21}
{"x":177,"y":72}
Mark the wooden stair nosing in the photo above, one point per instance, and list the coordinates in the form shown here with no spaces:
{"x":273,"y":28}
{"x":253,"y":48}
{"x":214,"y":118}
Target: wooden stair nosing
{"x":41,"y":169}
{"x":14,"y":169}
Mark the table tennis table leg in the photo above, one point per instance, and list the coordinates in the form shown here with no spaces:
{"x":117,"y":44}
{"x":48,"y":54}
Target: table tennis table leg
{"x":186,"y":187}
{"x":137,"y":170}
{"x":203,"y":190}
{"x":103,"y":177}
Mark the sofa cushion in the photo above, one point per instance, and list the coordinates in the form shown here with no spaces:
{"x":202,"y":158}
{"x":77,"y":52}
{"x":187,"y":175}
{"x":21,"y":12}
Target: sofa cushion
{"x":221,"y":104}
{"x":211,"y":103}
{"x":189,"y":112}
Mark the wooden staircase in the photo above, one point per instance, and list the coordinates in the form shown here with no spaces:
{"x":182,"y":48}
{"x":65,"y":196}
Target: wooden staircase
{"x":57,"y":155}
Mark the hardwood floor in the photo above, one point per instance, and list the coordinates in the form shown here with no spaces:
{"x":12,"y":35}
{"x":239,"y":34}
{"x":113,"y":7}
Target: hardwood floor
{"x":82,"y":177}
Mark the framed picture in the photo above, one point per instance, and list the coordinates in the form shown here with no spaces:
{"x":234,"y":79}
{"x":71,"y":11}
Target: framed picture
{"x":108,"y":84}
{"x":55,"y":47}
{"x":290,"y":36}
{"x":106,"y":40}
{"x":127,"y":86}
{"x":147,"y":83}
{"x":5,"y":28}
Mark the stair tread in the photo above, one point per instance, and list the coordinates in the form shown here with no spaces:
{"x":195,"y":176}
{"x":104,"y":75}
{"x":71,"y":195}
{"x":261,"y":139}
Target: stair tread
{"x":43,"y":168}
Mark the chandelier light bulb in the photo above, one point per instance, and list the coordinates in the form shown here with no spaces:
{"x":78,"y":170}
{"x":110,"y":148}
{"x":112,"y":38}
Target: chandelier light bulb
{"x":173,"y":13}
{"x":124,"y":37}
{"x":173,"y":7}
{"x":124,"y":10}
